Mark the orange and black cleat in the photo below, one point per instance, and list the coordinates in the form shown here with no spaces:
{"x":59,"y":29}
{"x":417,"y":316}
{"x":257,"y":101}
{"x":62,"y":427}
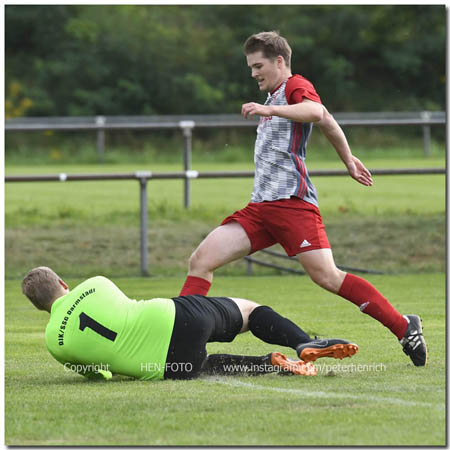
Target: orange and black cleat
{"x":331,"y":348}
{"x":290,"y":366}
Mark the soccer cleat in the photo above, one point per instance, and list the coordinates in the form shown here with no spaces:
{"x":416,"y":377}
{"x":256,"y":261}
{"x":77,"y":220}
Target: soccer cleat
{"x":320,"y":348}
{"x":291,"y":366}
{"x":413,"y":342}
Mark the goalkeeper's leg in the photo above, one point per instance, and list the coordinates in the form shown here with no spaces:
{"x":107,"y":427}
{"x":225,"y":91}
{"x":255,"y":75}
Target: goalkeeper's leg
{"x":223,"y":364}
{"x":269,"y":326}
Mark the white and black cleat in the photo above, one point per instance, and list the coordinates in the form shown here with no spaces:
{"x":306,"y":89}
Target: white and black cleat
{"x":413,"y":342}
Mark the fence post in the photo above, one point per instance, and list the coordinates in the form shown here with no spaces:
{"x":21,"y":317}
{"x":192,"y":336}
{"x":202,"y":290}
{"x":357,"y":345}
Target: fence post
{"x":426,"y":133}
{"x":249,"y":267}
{"x":187,"y":126}
{"x":144,"y":241}
{"x":100,"y":122}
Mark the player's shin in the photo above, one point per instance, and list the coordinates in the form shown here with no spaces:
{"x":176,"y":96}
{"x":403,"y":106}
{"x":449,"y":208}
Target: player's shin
{"x":223,"y":364}
{"x":270,"y":327}
{"x":195,"y":286}
{"x":372,"y":302}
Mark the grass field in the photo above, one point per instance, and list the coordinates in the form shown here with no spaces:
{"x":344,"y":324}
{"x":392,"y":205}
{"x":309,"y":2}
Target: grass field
{"x":390,"y":194}
{"x":89,"y":228}
{"x":376,"y":398}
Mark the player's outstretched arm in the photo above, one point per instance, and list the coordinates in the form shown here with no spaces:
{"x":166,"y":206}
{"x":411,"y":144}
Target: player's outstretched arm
{"x":333,"y":132}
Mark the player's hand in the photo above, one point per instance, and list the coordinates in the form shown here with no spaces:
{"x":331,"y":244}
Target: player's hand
{"x":359,"y":172}
{"x":105,"y":374}
{"x":251,"y":109}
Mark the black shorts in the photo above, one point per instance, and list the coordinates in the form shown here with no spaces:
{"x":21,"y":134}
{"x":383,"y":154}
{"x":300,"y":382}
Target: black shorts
{"x":198,"y":320}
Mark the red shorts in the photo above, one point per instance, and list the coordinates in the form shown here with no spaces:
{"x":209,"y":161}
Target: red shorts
{"x":293,"y":223}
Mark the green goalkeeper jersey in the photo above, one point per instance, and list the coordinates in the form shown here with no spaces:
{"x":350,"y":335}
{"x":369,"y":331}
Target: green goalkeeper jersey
{"x":97,"y":330}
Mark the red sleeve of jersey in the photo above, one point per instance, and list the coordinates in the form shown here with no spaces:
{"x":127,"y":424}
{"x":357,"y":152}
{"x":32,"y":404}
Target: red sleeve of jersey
{"x":298,"y":88}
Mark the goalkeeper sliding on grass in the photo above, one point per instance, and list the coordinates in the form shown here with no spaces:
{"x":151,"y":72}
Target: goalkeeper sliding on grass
{"x":96,"y":330}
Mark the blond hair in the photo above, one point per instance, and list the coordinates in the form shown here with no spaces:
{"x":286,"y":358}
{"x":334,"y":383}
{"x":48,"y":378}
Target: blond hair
{"x":41,"y":285}
{"x":271,"y":44}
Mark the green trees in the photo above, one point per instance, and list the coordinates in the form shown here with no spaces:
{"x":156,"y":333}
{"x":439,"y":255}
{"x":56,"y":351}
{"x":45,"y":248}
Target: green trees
{"x":150,"y":59}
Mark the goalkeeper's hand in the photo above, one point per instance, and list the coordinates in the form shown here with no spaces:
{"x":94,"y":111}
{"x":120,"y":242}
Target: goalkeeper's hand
{"x":98,"y":375}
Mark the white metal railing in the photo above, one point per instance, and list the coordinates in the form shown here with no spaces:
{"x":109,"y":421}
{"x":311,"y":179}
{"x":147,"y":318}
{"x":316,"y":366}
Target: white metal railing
{"x":217,"y":120}
{"x":186,"y":123}
{"x":144,"y":176}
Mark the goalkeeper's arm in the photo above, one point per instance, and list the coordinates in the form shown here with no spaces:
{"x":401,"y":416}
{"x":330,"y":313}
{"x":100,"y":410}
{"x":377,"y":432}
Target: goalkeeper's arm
{"x":89,"y":371}
{"x":97,"y":374}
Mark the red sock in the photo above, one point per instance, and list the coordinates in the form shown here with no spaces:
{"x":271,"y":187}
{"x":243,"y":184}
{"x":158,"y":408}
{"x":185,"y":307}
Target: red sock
{"x":372,"y":302}
{"x":195,"y":286}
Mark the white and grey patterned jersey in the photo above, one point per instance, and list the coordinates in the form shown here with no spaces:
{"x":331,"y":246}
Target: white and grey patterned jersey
{"x":280,"y":152}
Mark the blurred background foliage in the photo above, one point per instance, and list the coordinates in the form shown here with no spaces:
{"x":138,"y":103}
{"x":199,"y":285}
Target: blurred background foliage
{"x":69,"y":60}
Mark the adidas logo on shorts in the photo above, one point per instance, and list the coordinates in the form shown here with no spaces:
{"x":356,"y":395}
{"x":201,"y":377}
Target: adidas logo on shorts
{"x":305,"y":243}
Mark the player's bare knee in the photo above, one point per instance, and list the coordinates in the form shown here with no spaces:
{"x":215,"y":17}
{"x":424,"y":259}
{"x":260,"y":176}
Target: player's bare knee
{"x":326,"y":279}
{"x":245,"y":306}
{"x":250,"y":306}
{"x":197,"y":261}
{"x":193,"y":261}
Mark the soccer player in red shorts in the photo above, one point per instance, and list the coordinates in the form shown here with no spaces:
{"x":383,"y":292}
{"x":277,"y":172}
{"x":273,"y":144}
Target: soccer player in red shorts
{"x":283,"y":207}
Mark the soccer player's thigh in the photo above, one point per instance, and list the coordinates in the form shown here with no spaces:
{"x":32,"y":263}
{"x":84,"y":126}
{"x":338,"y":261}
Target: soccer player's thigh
{"x":297,"y":226}
{"x":224,"y":244}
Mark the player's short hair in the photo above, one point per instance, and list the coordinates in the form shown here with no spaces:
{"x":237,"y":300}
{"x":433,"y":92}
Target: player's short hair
{"x":41,"y":286}
{"x":271,"y":44}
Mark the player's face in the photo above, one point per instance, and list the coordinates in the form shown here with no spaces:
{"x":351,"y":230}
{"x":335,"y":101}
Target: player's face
{"x":265,"y":71}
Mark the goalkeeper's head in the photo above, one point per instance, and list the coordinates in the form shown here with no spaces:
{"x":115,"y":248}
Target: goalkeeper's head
{"x":43,"y":286}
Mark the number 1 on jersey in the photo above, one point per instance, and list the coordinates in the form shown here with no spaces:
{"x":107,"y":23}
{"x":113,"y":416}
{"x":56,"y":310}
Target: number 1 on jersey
{"x":87,"y":321}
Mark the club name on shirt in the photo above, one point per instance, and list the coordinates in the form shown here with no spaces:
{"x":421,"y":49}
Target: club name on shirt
{"x":62,"y":327}
{"x":263,"y":119}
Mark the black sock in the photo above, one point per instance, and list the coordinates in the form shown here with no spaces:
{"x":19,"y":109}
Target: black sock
{"x":270,"y":327}
{"x":222,"y":364}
